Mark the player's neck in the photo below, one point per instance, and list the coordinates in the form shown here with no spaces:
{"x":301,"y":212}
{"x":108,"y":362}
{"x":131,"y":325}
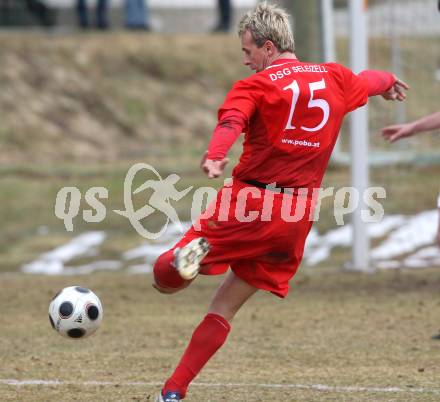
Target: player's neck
{"x":273,"y":60}
{"x":285,"y":55}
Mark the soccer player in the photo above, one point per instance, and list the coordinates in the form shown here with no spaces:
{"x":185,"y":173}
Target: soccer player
{"x":291,"y":113}
{"x":398,"y":131}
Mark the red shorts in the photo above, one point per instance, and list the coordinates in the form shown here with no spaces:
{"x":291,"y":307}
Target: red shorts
{"x":264,"y":252}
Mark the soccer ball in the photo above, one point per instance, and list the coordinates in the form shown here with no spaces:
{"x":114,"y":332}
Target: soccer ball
{"x":75,"y":312}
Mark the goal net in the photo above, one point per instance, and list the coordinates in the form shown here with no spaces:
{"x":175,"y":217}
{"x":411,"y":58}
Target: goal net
{"x":403,"y":37}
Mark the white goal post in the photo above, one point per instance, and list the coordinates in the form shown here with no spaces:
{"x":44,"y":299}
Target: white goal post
{"x":359,"y":142}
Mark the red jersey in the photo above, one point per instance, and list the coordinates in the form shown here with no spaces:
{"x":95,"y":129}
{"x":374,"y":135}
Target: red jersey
{"x":294,"y":112}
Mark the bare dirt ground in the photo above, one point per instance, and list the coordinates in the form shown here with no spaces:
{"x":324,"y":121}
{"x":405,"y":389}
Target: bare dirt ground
{"x":337,"y":337}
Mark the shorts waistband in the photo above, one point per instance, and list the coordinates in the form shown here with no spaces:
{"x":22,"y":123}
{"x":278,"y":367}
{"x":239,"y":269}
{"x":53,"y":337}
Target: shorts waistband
{"x":281,"y":190}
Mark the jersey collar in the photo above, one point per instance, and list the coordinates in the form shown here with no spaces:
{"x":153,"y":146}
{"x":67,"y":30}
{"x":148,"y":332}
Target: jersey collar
{"x":281,"y":62}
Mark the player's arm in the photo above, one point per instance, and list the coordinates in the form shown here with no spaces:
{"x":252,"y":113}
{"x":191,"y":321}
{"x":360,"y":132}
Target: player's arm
{"x":397,"y":131}
{"x":359,"y":87}
{"x":385,"y":84}
{"x":229,"y":127}
{"x":233,"y":116}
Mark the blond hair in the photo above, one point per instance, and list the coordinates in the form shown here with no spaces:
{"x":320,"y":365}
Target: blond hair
{"x":268,"y":22}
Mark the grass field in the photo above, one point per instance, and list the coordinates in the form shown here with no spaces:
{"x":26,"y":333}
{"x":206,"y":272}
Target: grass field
{"x":364,"y":337}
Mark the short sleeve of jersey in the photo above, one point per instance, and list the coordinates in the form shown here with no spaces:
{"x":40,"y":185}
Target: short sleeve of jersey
{"x":243,"y":96}
{"x":355,"y":89}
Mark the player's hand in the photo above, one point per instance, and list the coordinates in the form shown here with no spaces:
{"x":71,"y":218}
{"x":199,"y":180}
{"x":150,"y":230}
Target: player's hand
{"x":213,"y":168}
{"x":397,"y":131}
{"x":397,"y":91}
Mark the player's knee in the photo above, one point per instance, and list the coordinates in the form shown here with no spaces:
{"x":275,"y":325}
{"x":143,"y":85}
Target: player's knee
{"x":165,"y":290}
{"x":166,"y":279}
{"x":170,"y":290}
{"x":165,"y":275}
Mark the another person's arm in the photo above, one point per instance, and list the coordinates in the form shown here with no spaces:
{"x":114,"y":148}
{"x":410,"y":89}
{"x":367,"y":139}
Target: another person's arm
{"x":398,"y":131}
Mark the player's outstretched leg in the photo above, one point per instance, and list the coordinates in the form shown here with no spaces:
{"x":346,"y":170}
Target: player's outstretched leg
{"x":188,"y":257}
{"x":166,"y":278}
{"x":169,"y":397}
{"x":175,"y":269}
{"x":208,"y":337}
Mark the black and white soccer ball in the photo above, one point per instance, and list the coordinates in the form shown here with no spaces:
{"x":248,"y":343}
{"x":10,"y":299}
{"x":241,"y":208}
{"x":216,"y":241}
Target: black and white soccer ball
{"x":75,"y":312}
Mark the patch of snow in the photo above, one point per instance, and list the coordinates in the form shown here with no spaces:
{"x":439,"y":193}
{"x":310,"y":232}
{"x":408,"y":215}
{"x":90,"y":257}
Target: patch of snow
{"x":52,"y":262}
{"x":418,"y":231}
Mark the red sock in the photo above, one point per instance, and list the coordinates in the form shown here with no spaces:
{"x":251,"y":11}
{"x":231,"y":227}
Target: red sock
{"x":207,"y":338}
{"x":165,"y":275}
